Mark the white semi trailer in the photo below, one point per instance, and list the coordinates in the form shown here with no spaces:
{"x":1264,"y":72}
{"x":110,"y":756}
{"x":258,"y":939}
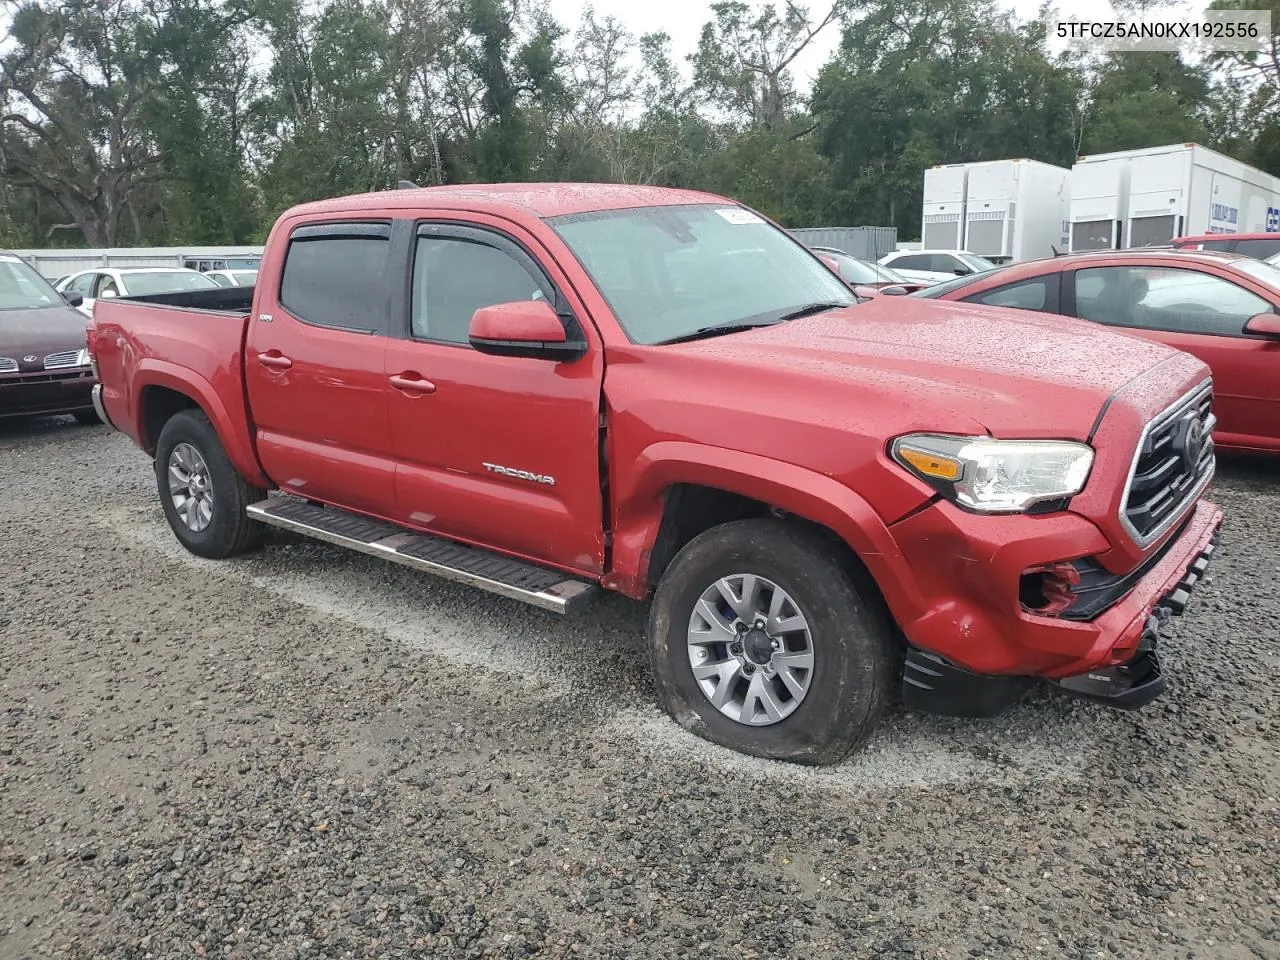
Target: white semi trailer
{"x":942,"y":227}
{"x":1016,"y":209}
{"x":1099,"y":204}
{"x":1189,"y":190}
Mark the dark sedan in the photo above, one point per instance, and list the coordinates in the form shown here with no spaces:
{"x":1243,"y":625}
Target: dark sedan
{"x":44,"y":366}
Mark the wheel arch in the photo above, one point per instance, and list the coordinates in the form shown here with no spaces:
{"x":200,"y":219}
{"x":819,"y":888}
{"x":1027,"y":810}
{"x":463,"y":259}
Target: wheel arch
{"x":674,"y":488}
{"x":164,"y":389}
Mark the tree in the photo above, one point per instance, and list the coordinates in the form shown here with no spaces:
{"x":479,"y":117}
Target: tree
{"x":74,"y":89}
{"x":742,"y":65}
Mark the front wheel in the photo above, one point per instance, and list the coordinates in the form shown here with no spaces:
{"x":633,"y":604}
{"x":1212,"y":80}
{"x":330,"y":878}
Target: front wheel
{"x":761,"y":642}
{"x":203,"y":495}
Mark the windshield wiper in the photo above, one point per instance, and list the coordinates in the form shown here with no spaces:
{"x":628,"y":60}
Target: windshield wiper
{"x":716,"y":330}
{"x":809,"y":309}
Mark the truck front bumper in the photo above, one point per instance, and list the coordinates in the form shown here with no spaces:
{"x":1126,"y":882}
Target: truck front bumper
{"x":977,"y":647}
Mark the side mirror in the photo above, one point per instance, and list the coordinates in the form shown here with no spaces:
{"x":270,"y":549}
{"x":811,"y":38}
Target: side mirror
{"x":894,"y":290}
{"x":525,"y":328}
{"x":73,"y":299}
{"x":1264,"y":325}
{"x":832,"y":265}
{"x":962,"y":271}
{"x":863,"y":292}
{"x":108,"y":294}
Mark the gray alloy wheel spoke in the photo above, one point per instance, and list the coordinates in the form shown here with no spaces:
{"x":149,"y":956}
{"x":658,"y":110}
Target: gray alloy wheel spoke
{"x":776,"y":659}
{"x":190,"y":487}
{"x":716,"y":631}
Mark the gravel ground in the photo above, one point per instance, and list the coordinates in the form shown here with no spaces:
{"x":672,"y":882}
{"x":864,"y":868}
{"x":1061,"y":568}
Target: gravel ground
{"x":306,"y":753}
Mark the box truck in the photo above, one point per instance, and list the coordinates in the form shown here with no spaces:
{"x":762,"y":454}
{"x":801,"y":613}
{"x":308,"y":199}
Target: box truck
{"x":1099,"y":204}
{"x":1015,"y":209}
{"x":943,"y":222}
{"x":1186,"y":189}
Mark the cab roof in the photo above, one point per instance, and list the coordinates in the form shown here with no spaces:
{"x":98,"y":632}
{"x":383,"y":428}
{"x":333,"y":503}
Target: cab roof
{"x":542,"y":200}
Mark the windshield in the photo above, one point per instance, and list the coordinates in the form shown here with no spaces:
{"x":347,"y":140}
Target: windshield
{"x":245,"y":264}
{"x":854,"y":270}
{"x":165,"y":281}
{"x":1265,"y":270}
{"x":977,"y":262}
{"x":946,"y":286}
{"x":670,"y":271}
{"x":245,"y":278}
{"x":21,"y":288}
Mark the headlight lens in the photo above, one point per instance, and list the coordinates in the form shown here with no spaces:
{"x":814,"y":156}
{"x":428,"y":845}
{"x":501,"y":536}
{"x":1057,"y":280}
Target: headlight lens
{"x":82,"y":358}
{"x":996,"y":476}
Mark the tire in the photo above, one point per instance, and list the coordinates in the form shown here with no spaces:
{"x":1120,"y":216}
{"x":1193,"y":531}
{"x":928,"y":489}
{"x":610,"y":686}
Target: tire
{"x":223,"y":530}
{"x":89,"y":418}
{"x":850,"y":640}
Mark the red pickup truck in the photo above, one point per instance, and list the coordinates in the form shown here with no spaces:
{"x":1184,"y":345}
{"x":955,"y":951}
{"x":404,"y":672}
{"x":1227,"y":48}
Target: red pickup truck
{"x":543,"y":390}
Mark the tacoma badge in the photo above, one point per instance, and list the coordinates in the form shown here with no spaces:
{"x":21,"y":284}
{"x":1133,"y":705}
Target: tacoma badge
{"x":521,"y":474}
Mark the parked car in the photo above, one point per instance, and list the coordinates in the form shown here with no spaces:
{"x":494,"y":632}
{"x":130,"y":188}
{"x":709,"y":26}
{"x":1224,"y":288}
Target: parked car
{"x":44,"y":363}
{"x":206,"y":264}
{"x":503,"y":385}
{"x":1258,"y":245}
{"x":934,"y":266}
{"x":1220,"y":307}
{"x":857,"y":272}
{"x":233,"y":278}
{"x":107,"y":282}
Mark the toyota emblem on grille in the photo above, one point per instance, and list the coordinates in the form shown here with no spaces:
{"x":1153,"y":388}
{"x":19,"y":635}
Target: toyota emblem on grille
{"x":1191,"y":443}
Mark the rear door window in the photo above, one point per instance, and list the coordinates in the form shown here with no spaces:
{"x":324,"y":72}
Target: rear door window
{"x":337,"y":275}
{"x":914,"y":261}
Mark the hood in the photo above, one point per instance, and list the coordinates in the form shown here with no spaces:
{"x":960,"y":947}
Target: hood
{"x":39,"y":332}
{"x":1014,"y":372}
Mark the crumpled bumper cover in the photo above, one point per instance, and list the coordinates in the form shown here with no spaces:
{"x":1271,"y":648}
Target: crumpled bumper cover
{"x":1115,"y":657}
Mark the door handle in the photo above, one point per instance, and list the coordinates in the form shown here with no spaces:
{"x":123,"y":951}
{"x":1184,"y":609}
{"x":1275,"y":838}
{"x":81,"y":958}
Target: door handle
{"x":275,"y":360}
{"x":412,"y":383}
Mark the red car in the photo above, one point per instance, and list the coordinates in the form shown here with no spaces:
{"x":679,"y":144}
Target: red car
{"x":1221,"y":307}
{"x":544,"y":390}
{"x":1258,"y":245}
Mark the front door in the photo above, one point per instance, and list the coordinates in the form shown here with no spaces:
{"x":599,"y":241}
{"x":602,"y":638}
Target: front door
{"x":499,"y":451}
{"x":314,"y":365}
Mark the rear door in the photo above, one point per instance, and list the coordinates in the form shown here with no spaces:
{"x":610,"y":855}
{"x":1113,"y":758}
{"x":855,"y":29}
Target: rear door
{"x":1203,"y":314}
{"x":314,"y":366}
{"x":501,"y":451}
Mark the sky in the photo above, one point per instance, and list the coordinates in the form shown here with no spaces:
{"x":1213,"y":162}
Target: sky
{"x":683,"y":20}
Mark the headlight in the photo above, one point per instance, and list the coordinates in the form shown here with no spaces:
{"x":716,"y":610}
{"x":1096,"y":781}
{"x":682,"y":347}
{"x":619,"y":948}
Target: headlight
{"x":996,"y":476}
{"x":82,"y":358}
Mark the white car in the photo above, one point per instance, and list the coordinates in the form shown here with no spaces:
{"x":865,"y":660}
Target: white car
{"x":106,"y":282}
{"x":934,"y":266}
{"x":233,"y":278}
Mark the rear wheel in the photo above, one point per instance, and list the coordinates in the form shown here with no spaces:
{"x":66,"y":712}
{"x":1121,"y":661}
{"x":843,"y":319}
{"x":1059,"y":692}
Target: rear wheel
{"x":761,"y":642}
{"x":203,"y":495}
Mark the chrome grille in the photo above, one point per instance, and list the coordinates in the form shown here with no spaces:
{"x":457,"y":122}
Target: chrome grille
{"x":8,"y":365}
{"x":1172,"y":464}
{"x":60,"y":361}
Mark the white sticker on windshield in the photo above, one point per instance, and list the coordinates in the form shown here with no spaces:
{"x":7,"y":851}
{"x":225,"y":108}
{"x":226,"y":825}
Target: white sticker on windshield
{"x":738,"y":215}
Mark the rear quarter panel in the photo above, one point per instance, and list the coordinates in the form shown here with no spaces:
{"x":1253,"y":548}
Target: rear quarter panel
{"x":197,"y":353}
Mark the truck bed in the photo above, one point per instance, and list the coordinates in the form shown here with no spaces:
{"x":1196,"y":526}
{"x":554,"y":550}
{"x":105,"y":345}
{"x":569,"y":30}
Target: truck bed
{"x":221,"y":300}
{"x":191,"y":343}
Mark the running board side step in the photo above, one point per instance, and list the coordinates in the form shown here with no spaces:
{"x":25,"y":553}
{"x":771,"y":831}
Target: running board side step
{"x":549,"y":589}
